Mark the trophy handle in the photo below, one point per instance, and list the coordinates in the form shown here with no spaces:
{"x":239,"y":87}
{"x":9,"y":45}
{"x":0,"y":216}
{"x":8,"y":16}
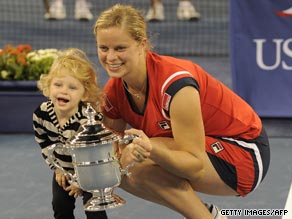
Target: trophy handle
{"x":51,"y":159}
{"x":127,"y":139}
{"x":126,"y":171}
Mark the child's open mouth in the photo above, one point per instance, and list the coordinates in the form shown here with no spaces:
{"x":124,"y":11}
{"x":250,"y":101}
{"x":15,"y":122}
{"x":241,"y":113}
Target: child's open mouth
{"x":62,"y":100}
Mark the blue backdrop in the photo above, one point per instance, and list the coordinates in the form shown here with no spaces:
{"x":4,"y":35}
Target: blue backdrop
{"x":261,"y":54}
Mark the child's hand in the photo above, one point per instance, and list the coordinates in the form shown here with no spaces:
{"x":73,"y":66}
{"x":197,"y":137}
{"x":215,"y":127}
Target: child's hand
{"x":61,"y":178}
{"x":74,"y":190}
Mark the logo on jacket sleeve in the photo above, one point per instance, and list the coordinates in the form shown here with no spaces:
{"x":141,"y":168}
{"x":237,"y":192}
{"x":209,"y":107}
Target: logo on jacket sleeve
{"x":107,"y":105}
{"x":165,"y":101}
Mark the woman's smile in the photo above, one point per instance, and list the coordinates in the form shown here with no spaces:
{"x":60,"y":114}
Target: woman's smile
{"x":114,"y":67}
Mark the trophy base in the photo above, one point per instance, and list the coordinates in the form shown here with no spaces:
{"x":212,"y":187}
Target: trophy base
{"x":103,"y":203}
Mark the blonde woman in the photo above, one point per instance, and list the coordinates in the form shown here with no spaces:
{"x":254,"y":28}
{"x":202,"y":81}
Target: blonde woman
{"x":195,"y":134}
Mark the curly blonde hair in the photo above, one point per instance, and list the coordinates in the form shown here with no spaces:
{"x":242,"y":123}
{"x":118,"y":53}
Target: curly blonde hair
{"x":76,"y":62}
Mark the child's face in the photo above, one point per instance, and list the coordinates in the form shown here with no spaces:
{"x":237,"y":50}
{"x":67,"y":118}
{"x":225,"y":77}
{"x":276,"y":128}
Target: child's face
{"x":66,"y":92}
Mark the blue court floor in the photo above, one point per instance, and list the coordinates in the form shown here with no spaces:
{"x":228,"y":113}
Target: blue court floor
{"x":25,"y":191}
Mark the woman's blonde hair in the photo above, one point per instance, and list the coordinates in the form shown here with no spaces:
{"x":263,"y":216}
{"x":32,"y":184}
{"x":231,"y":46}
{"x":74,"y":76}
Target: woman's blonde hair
{"x":78,"y":66}
{"x":126,"y":17}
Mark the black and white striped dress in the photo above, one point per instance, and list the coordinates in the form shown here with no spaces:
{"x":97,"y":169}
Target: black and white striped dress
{"x":48,"y":131}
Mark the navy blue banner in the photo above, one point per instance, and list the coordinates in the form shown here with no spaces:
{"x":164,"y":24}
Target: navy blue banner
{"x":261,"y":54}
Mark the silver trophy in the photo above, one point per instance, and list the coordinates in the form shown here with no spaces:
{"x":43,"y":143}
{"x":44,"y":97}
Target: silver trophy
{"x":96,"y":168}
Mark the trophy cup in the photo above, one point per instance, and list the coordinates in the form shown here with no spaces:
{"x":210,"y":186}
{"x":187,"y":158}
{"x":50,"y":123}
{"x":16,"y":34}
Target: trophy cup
{"x":96,"y":168}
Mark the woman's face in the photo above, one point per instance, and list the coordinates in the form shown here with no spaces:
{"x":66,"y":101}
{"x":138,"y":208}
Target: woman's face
{"x":119,"y":54}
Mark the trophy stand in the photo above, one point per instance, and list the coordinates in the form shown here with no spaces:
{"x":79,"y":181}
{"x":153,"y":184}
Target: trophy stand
{"x":103,"y":199}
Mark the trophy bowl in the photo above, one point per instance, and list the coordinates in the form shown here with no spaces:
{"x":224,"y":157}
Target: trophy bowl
{"x":96,"y":168}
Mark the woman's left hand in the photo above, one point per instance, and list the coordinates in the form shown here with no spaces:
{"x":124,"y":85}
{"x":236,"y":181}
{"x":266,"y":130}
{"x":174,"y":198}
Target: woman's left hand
{"x":141,"y":147}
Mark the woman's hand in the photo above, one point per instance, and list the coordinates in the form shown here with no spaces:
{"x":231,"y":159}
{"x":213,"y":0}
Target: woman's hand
{"x":140,"y":149}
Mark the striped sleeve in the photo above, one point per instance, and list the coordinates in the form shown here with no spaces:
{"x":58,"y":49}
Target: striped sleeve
{"x":40,"y":118}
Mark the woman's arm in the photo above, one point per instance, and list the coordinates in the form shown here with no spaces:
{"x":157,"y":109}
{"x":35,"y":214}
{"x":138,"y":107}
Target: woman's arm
{"x":183,"y":154}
